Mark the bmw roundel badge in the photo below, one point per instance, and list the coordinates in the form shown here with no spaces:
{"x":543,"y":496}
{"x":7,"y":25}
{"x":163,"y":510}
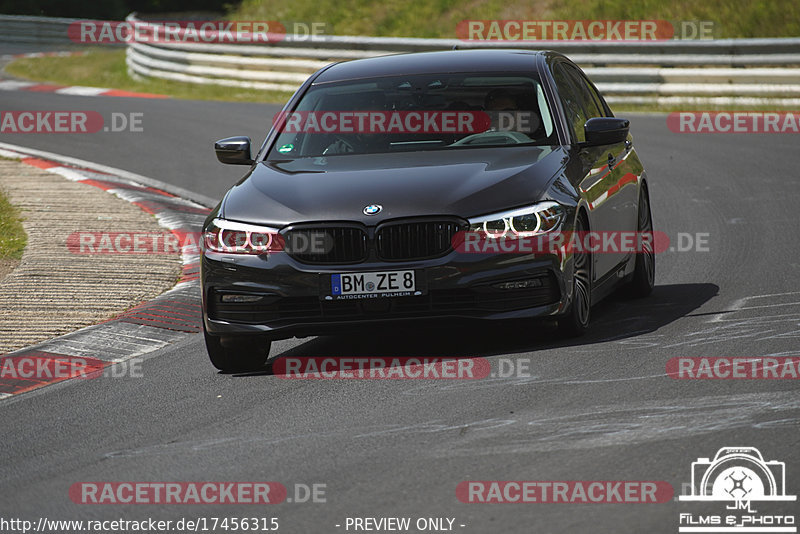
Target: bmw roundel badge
{"x":373,"y":209}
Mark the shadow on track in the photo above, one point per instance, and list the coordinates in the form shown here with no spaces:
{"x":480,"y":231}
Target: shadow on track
{"x":615,"y":318}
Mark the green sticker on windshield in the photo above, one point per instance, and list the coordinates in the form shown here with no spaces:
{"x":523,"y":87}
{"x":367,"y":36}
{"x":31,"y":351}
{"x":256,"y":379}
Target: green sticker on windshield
{"x":286,"y":148}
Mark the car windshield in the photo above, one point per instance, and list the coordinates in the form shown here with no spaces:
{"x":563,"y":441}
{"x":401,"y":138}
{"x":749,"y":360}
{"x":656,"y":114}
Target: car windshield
{"x":415,"y":112}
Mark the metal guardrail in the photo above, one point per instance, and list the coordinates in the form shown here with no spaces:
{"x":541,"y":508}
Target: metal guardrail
{"x":50,"y":32}
{"x":723,"y":72}
{"x":34,"y":30}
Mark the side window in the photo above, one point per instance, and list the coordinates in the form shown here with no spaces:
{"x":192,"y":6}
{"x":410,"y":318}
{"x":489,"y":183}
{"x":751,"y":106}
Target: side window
{"x":589,"y":97}
{"x":568,"y":93}
{"x":601,"y":103}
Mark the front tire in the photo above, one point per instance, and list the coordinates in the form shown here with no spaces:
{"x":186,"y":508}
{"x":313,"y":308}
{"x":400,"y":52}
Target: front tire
{"x":576,"y":321}
{"x":237,"y":354}
{"x":644,"y":273}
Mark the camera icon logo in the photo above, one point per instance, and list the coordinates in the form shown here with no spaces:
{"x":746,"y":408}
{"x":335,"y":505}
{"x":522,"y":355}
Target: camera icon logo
{"x":738,"y":474}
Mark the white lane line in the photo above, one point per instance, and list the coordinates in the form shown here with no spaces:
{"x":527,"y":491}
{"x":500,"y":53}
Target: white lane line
{"x":742,"y":304}
{"x":181,"y":287}
{"x":10,"y":154}
{"x":80,"y":90}
{"x":769,"y":306}
{"x":114,"y":342}
{"x":189,"y":253}
{"x":138,"y":196}
{"x":70,"y":174}
{"x":737,"y":304}
{"x":139,"y":179}
{"x":13,"y":85}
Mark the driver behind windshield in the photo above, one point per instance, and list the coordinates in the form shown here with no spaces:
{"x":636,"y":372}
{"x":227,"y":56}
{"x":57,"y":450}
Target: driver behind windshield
{"x":515,"y":105}
{"x":511,"y":110}
{"x":500,"y":100}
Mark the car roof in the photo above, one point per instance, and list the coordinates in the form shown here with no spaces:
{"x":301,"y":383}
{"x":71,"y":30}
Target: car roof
{"x":433,"y":63}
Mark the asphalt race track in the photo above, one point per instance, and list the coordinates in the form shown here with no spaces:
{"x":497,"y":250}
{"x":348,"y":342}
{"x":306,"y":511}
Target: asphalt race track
{"x":599,"y":408}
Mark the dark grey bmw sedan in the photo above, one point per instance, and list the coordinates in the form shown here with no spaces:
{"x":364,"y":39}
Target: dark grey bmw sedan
{"x":418,"y":187}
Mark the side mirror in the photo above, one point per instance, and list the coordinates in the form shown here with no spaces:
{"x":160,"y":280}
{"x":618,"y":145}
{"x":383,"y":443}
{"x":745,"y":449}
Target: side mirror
{"x":606,"y":130}
{"x":234,"y":150}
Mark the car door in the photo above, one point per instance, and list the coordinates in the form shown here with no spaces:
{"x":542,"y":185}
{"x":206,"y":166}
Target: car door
{"x":608,"y":187}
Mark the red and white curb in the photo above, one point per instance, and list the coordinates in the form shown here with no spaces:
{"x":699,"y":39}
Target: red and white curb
{"x":45,"y":54}
{"x":74,"y":90}
{"x":169,"y":318}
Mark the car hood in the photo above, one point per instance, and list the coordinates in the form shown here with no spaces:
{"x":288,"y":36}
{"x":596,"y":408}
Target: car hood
{"x":463,"y":183}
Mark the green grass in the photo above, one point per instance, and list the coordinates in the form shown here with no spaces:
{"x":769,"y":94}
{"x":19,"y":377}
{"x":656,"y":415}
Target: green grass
{"x":732,"y":18}
{"x":420,"y":18}
{"x":409,"y":18}
{"x":106,"y":68}
{"x":438,"y":18}
{"x":12,"y":235}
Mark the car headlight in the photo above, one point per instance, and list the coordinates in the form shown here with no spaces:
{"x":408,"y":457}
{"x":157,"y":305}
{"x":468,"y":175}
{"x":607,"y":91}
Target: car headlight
{"x":524,"y":222}
{"x":238,"y":238}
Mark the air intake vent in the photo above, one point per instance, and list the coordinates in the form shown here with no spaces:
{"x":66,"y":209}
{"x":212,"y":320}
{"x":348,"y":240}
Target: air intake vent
{"x":402,"y":241}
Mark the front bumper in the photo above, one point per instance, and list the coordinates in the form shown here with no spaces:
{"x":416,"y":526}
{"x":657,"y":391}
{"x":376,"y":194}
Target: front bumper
{"x":456,"y":287}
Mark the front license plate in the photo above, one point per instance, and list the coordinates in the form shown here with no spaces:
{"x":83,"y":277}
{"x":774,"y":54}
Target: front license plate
{"x":373,"y":285}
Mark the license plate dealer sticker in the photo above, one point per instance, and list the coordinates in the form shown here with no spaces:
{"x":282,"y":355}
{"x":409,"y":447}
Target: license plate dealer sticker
{"x":373,"y":285}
